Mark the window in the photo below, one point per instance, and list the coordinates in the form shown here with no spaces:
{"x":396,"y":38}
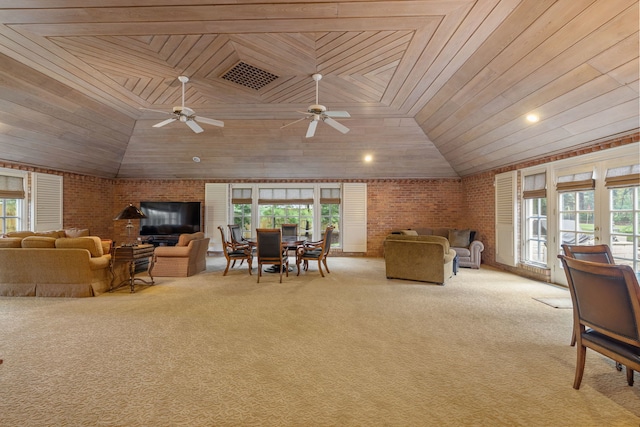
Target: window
{"x":624,"y":211}
{"x":535,"y":210}
{"x":279,"y":206}
{"x":11,"y":200}
{"x":241,"y":201}
{"x":330,"y":213}
{"x":577,"y":209}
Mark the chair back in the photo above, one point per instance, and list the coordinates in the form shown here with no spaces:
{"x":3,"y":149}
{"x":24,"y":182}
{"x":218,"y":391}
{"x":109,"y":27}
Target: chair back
{"x":606,"y":298}
{"x":326,"y":245}
{"x":235,"y":234}
{"x":269,"y":242}
{"x":593,"y":253}
{"x":289,"y":230}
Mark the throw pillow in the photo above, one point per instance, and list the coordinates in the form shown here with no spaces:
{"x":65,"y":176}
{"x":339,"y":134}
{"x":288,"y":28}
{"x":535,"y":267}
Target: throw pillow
{"x":409,"y":232}
{"x":76,"y":232}
{"x":459,"y":238}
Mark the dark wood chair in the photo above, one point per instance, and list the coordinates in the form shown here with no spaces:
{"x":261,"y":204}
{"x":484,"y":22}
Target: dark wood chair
{"x":234,"y":252}
{"x":606,"y":312}
{"x":289,"y":230}
{"x":593,"y":253}
{"x":316,"y":251}
{"x":270,"y":250}
{"x":238,"y":241}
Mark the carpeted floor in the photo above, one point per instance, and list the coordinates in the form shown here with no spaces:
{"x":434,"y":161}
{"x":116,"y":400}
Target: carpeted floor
{"x":352,"y":349}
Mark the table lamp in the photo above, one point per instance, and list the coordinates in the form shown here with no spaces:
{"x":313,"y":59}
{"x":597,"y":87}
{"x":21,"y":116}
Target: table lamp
{"x":129,"y":213}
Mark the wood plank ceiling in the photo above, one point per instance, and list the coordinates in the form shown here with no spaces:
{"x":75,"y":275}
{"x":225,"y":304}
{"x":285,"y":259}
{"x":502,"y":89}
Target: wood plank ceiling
{"x":435,"y":88}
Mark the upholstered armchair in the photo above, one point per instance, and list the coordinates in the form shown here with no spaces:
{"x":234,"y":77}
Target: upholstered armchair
{"x":186,"y":258}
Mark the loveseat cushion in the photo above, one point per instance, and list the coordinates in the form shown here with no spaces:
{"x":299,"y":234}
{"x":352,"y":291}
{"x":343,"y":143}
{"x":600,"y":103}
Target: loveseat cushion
{"x":11,"y":242}
{"x":90,"y":243}
{"x":459,"y":238}
{"x":38,"y":242}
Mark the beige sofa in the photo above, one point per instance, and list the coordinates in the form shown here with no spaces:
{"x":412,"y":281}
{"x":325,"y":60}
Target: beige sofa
{"x":421,"y":258}
{"x":463,"y":241}
{"x":186,"y":258}
{"x":53,"y":265}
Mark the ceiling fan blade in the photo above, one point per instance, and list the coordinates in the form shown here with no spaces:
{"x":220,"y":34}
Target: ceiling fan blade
{"x":194,"y":126}
{"x":164,"y":122}
{"x":156,"y":111}
{"x":312,"y":128}
{"x":337,"y":114}
{"x":295,"y":121}
{"x":213,"y":122}
{"x":335,"y":125}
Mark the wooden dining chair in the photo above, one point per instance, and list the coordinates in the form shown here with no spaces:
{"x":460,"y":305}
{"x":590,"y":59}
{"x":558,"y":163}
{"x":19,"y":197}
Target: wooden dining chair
{"x":606,"y":313}
{"x":234,"y":252}
{"x":593,"y":253}
{"x":289,"y":230}
{"x":270,"y":250}
{"x":316,"y":251}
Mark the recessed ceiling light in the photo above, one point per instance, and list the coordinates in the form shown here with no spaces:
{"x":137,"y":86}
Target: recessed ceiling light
{"x":368,"y":158}
{"x":196,"y":159}
{"x":532,"y":118}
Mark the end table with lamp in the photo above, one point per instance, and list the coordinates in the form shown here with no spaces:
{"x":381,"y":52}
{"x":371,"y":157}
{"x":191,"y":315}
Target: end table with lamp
{"x":129,"y":252}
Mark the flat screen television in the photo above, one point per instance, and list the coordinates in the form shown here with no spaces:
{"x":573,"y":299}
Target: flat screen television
{"x":170,"y":218}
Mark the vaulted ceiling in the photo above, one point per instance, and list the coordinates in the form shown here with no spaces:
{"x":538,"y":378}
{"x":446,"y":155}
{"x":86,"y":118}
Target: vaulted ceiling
{"x":434,"y":88}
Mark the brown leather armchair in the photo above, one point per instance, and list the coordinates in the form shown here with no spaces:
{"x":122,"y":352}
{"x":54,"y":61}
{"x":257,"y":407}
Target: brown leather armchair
{"x":606,"y":311}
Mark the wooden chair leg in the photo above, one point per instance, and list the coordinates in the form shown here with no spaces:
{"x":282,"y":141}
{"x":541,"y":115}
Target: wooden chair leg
{"x":249,"y":262}
{"x":259,"y":271}
{"x":573,"y":338}
{"x":326,"y":267}
{"x":320,"y":267}
{"x":226,"y":269}
{"x":630,"y":376}
{"x":582,"y":353}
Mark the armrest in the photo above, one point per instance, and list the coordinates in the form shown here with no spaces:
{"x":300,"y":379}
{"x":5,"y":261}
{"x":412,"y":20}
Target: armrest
{"x":172,"y":251}
{"x":476,"y":247}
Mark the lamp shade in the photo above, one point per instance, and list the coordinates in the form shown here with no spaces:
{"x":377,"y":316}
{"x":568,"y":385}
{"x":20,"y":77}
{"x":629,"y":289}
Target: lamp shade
{"x":130,"y":212}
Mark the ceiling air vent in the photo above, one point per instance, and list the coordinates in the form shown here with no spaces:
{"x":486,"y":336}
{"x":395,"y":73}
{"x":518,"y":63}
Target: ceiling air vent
{"x":249,"y":76}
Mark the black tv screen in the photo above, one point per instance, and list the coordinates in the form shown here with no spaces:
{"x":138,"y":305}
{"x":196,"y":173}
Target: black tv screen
{"x":167,"y":218}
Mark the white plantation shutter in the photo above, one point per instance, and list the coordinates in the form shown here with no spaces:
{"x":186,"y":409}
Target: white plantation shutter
{"x":505,"y":185}
{"x":354,"y":217}
{"x":216,"y":211}
{"x":47,"y":202}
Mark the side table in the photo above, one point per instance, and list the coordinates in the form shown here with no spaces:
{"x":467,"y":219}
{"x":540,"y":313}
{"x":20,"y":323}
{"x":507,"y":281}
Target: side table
{"x":129,"y":254}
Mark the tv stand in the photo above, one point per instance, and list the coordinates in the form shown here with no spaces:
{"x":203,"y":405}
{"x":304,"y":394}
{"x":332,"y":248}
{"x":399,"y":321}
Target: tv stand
{"x":162,"y":240}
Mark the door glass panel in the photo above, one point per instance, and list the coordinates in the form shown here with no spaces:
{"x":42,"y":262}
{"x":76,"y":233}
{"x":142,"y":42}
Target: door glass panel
{"x":625,"y":225}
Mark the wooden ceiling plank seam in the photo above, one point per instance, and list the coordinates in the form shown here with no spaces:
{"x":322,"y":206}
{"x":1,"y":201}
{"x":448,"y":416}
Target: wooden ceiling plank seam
{"x":171,"y":45}
{"x":187,"y":43}
{"x":203,"y":51}
{"x":367,"y":54}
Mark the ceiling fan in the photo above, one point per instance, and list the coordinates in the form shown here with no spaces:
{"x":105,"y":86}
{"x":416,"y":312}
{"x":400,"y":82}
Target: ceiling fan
{"x":186,"y":114}
{"x":319,"y":112}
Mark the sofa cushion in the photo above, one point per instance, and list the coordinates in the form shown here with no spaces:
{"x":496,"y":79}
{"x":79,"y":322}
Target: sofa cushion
{"x":76,"y":232}
{"x":459,"y":238}
{"x":184,"y":239}
{"x":90,"y":243}
{"x":21,"y":234}
{"x":11,"y":242}
{"x":38,"y":242}
{"x":409,"y":232}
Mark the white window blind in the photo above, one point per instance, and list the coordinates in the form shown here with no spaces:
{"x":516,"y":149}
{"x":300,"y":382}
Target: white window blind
{"x":581,"y":181}
{"x":216,"y":212}
{"x":505,"y":188}
{"x":11,"y":187}
{"x":241,"y":196}
{"x":623,"y":176}
{"x":354,"y":219}
{"x":535,"y":186}
{"x":285,"y":196}
{"x":47,"y":202}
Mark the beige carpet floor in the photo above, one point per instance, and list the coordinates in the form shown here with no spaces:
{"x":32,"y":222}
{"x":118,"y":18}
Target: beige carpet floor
{"x":350,"y":349}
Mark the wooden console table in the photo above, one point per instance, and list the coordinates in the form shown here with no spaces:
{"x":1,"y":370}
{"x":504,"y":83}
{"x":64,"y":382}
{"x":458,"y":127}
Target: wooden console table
{"x":129,"y":255}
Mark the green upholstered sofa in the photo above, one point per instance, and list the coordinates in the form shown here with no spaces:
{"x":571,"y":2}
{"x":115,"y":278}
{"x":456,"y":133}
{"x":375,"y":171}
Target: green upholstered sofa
{"x":421,"y":258}
{"x":463,"y":241}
